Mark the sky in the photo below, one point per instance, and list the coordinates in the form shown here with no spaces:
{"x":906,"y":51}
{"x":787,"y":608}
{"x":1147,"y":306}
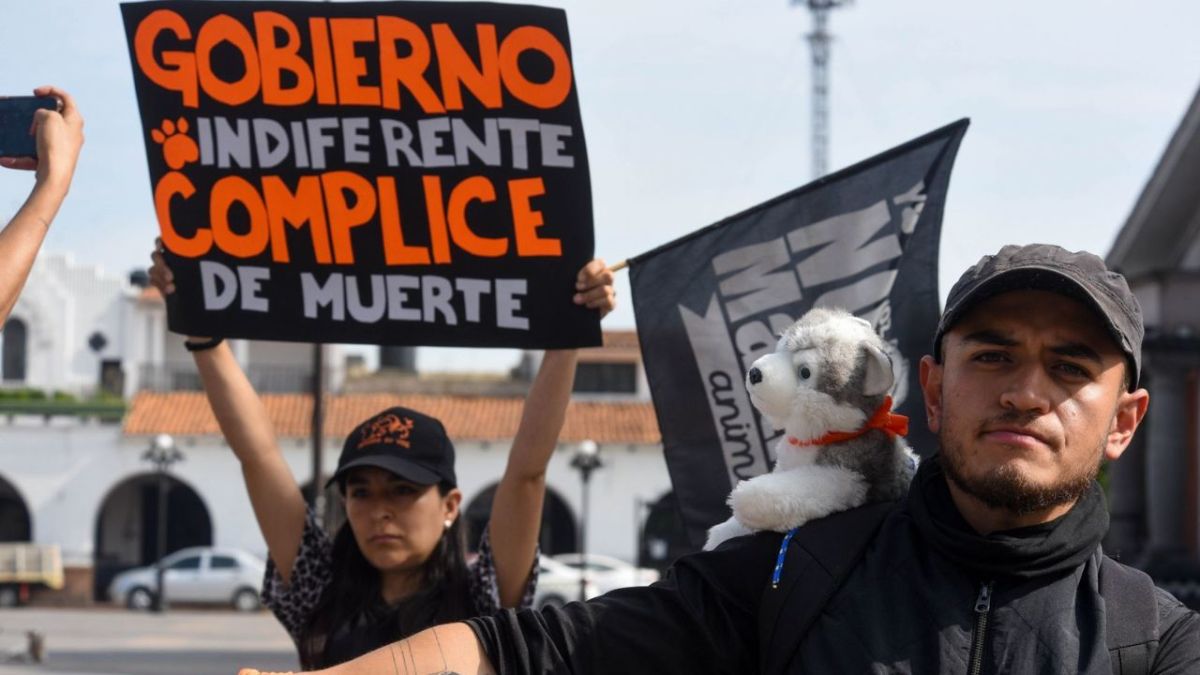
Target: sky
{"x":695,"y":111}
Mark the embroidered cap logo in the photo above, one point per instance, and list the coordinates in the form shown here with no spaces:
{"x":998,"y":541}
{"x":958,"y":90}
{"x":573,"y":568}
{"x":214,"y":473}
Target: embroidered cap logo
{"x":389,"y":429}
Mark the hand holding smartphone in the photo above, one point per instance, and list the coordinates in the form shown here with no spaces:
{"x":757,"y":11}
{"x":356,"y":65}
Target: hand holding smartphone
{"x":17,"y":137}
{"x":52,"y":150}
{"x":43,"y":134}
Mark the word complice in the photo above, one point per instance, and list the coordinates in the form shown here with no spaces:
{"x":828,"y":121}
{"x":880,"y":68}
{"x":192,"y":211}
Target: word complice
{"x":351,"y":201}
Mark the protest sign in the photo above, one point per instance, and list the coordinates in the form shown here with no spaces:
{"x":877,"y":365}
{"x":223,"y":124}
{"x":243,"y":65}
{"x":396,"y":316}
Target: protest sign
{"x":708,"y":305}
{"x":387,"y":172}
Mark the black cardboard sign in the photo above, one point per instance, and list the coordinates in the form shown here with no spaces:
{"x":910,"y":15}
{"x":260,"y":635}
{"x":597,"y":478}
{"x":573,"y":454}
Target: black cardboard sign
{"x":380,"y":172}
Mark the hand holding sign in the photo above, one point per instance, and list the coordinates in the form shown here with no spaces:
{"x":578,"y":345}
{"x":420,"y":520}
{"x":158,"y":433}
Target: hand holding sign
{"x":594,"y":287}
{"x":160,"y":274}
{"x":397,"y":173}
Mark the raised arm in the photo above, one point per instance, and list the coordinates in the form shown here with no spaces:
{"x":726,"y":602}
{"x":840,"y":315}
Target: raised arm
{"x":59,"y":138}
{"x":278,"y":504}
{"x":517,"y":507}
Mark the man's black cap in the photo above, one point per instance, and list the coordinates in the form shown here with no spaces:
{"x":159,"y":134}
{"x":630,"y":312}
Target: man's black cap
{"x":1045,"y":267}
{"x":411,"y":445}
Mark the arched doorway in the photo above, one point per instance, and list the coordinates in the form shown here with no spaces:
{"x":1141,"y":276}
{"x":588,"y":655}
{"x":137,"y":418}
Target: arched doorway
{"x":15,"y":523}
{"x":127,"y":526}
{"x":664,"y":537}
{"x":558,"y":522}
{"x":13,"y":341}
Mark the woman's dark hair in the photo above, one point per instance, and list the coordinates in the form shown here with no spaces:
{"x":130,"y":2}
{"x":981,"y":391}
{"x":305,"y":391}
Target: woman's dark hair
{"x":350,"y":618}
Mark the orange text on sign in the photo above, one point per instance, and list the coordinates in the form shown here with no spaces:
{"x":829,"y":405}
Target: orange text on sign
{"x":288,"y":64}
{"x":335,"y":203}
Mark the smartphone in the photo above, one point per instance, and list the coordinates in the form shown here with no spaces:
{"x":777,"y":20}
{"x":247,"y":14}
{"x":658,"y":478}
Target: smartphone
{"x":16,"y":123}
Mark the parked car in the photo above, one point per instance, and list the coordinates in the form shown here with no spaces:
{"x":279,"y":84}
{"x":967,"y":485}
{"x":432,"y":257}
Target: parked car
{"x":609,"y":573}
{"x":558,"y":584}
{"x":194,"y":575}
{"x":25,"y":566}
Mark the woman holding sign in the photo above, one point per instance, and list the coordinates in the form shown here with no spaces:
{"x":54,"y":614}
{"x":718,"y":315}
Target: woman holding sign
{"x":397,"y":566}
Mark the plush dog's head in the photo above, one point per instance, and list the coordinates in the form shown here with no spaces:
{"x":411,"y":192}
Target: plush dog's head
{"x":829,"y":372}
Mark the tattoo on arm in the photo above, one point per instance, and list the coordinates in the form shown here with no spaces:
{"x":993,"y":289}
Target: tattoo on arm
{"x":409,"y":658}
{"x":445,"y":670}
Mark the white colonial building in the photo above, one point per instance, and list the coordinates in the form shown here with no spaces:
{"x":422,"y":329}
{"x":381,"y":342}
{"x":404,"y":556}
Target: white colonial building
{"x":73,"y":472}
{"x":1155,"y":486}
{"x":79,"y":330}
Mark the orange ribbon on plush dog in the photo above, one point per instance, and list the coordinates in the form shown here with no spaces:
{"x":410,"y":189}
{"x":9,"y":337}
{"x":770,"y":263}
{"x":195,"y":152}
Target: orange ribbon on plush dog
{"x":883,"y":419}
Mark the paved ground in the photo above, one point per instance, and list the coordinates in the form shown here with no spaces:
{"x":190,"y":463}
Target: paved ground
{"x":109,"y":641}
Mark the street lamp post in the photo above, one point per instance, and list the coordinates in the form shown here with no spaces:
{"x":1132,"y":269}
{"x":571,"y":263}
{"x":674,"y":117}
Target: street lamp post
{"x":587,"y":460}
{"x":162,"y":453}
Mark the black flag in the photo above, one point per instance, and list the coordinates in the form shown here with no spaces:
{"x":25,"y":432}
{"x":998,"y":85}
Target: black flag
{"x":707,"y":305}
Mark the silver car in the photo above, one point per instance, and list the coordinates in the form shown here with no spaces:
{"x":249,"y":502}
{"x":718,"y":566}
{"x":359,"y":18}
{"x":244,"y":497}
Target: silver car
{"x":558,"y":584}
{"x":609,"y":573}
{"x":194,"y":575}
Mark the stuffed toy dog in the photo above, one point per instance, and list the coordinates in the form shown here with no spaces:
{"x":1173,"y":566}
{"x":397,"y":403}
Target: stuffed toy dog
{"x":826,"y":385}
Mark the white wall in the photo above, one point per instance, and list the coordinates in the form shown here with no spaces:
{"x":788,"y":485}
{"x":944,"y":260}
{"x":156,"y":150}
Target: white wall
{"x":630,"y":475}
{"x":65,"y":470}
{"x":63,"y":304}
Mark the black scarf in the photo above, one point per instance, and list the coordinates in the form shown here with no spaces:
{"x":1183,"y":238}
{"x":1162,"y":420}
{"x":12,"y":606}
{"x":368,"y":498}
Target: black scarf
{"x":1023,"y":553}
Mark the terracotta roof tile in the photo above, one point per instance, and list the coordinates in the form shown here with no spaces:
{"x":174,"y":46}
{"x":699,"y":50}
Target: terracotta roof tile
{"x":621,"y":339}
{"x":466,"y":417}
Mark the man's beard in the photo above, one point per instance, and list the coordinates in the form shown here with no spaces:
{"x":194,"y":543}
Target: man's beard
{"x":1006,"y":488}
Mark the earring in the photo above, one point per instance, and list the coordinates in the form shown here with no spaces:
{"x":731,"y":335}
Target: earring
{"x":448,"y":523}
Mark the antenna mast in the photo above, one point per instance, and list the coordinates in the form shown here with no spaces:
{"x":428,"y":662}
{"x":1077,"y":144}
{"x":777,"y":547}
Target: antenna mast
{"x":819,"y":39}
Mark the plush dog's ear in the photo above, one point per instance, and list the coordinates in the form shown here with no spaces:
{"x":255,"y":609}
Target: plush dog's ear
{"x":878,"y":377}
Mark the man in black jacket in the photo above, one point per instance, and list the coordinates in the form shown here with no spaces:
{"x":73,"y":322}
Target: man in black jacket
{"x":992,"y":564}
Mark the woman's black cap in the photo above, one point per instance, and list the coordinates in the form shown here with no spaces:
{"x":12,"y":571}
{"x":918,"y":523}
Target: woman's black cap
{"x":412,"y":445}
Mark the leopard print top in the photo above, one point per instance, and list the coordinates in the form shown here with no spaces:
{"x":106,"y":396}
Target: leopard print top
{"x":293,"y":603}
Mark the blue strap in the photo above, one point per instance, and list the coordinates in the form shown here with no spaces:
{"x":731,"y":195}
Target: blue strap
{"x":783,"y":546}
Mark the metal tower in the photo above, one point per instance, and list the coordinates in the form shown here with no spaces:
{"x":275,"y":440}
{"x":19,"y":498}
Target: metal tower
{"x":819,"y":39}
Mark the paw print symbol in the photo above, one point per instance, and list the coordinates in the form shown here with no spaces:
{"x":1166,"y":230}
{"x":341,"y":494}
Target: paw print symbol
{"x":178,"y":148}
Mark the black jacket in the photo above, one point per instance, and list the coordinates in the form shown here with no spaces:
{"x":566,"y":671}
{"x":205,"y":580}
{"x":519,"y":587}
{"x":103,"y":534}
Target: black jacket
{"x":909,"y":606}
